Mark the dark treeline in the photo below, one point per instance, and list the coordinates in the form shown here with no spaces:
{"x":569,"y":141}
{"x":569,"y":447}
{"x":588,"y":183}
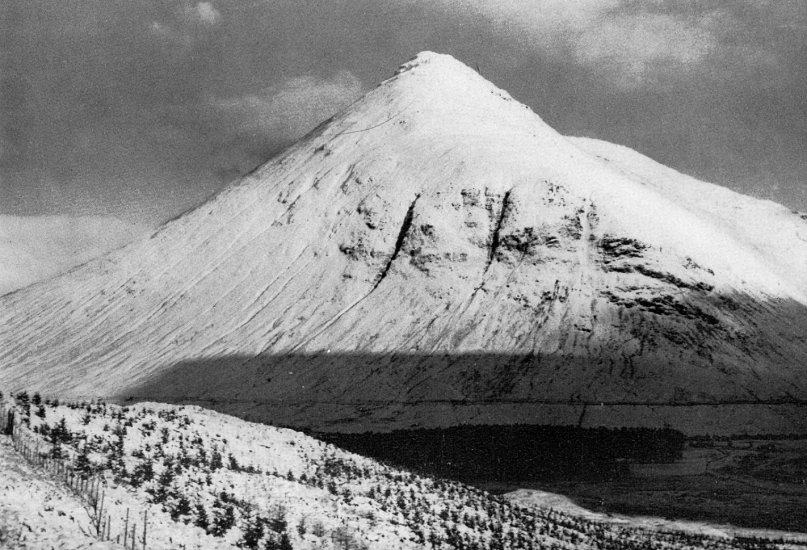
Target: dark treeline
{"x":706,"y":439}
{"x":518,"y":452}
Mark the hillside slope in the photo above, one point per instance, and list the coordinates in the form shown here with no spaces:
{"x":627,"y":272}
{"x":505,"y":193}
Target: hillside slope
{"x":207,"y":480}
{"x":437,"y":254}
{"x":36,"y":512}
{"x":35,"y":248}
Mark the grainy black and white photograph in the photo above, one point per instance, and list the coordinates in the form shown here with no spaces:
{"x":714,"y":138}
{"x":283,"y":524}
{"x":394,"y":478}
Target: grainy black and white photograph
{"x":403,"y":274}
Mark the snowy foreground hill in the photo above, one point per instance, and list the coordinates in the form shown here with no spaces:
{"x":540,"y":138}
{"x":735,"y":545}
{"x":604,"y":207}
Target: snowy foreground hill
{"x":201,"y":479}
{"x":436,"y":255}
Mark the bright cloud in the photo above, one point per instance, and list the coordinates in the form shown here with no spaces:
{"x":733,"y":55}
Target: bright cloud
{"x":628,"y":48}
{"x":187,"y":24}
{"x":289,"y":110}
{"x":203,"y":12}
{"x":633,"y":50}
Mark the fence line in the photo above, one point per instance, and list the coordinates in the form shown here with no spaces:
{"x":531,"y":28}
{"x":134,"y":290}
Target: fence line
{"x":91,"y":488}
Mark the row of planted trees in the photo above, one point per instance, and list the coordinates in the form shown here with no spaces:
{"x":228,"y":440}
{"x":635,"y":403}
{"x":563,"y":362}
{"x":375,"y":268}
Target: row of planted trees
{"x":67,"y":455}
{"x":76,"y":474}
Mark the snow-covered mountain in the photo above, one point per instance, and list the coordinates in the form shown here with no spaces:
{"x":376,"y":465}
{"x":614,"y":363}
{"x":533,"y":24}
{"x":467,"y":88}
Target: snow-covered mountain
{"x":437,"y":254}
{"x":35,"y":248}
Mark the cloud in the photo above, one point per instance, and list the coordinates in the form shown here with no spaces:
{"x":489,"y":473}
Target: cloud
{"x":186,"y":24}
{"x":635,"y":44}
{"x":541,"y":17}
{"x":636,"y":50}
{"x":148,"y":106}
{"x":627,"y":44}
{"x":170,"y":34}
{"x":202,"y":12}
{"x":288,"y":110}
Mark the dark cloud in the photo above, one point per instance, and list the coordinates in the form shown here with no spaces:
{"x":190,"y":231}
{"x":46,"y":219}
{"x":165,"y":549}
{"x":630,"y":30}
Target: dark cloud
{"x":143,"y":108}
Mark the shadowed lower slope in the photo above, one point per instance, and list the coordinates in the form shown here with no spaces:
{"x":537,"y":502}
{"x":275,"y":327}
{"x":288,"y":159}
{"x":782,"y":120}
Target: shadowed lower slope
{"x":319,"y":392}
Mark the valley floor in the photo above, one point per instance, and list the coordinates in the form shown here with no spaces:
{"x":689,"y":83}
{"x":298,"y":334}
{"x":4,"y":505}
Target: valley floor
{"x":753,"y":484}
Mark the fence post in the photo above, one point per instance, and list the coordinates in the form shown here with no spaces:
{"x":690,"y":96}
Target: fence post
{"x":145,"y":523}
{"x":126,"y":528}
{"x":101,"y":507}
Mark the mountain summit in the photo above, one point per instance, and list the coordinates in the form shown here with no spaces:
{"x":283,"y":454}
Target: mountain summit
{"x":437,"y":254}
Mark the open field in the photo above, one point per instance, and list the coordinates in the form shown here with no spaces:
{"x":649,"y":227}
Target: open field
{"x":747,"y":483}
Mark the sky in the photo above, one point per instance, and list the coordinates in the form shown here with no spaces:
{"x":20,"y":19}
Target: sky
{"x":142,"y":109}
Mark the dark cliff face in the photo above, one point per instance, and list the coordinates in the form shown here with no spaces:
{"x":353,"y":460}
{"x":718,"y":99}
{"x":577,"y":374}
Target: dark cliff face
{"x":433,"y":255}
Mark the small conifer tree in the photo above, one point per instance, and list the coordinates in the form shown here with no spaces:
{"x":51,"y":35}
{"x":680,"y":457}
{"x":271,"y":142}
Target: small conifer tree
{"x":284,"y":543}
{"x":83,"y":464}
{"x":253,"y":530}
{"x":201,"y":520}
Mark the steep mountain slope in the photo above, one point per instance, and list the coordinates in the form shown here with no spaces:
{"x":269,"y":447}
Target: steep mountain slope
{"x":764,"y":226}
{"x":35,"y":248}
{"x":435,"y":255}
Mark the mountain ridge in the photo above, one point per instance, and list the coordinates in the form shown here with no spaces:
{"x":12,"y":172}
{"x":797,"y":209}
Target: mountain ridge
{"x":437,"y":217}
{"x":36,"y":248}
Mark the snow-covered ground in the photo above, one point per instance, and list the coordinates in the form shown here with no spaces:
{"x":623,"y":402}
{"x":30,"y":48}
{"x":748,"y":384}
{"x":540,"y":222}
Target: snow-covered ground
{"x":187,"y":470}
{"x":542,"y":499}
{"x":35,"y":248}
{"x":38,"y":513}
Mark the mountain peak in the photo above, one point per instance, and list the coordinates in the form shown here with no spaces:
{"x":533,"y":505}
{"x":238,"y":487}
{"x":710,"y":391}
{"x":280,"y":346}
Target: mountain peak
{"x":436,"y":97}
{"x":428,"y":60}
{"x":442,"y":73}
{"x":448,"y":247}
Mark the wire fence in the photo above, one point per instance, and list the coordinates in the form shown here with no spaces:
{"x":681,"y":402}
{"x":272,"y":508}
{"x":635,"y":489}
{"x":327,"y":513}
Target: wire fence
{"x":129,"y":530}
